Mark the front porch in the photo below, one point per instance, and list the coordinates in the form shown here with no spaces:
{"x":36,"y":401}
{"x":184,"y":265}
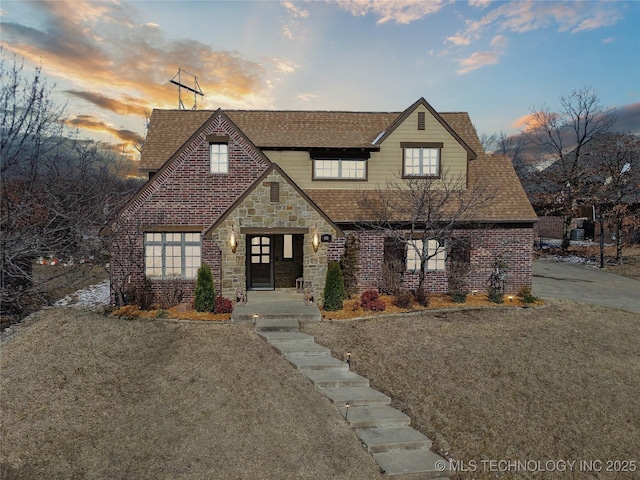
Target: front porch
{"x":279,"y":304}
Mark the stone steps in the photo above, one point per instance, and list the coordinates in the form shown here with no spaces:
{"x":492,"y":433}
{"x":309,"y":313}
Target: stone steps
{"x":402,"y":452}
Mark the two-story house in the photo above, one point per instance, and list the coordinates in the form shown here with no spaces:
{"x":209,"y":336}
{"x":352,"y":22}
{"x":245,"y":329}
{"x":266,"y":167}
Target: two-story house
{"x":268,"y":197}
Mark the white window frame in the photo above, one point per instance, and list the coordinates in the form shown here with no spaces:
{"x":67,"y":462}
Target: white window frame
{"x":421,"y":161}
{"x":219,"y":158}
{"x":436,"y":255}
{"x":340,"y":168}
{"x":172,"y":255}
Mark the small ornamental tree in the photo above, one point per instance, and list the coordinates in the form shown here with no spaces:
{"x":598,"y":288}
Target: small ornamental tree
{"x":333,"y":288}
{"x":205,"y":293}
{"x":349,"y":265}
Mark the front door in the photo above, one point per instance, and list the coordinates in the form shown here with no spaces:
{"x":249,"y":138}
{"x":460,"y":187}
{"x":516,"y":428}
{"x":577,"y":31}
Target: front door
{"x":260,"y":262}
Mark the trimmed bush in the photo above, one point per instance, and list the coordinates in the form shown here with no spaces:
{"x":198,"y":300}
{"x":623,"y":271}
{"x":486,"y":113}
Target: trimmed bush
{"x":402,"y":298}
{"x":525,"y":294}
{"x":223,"y":305}
{"x":205,"y":293}
{"x":377,"y":305}
{"x":333,"y":288}
{"x":349,"y":265}
{"x":496,"y":296}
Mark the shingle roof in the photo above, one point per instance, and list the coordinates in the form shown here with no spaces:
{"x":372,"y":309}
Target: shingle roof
{"x":169,"y":129}
{"x":508,"y":200}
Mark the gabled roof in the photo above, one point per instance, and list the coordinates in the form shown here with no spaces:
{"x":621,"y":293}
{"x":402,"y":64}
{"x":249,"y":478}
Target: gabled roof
{"x":170,"y":129}
{"x":257,"y":183}
{"x":422,"y":102}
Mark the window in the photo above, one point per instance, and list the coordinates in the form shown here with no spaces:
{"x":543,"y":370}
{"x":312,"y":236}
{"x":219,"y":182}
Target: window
{"x":219,"y":155}
{"x":421,"y":161}
{"x":340,"y":168}
{"x":287,"y":248}
{"x":169,"y":255}
{"x":436,"y":255}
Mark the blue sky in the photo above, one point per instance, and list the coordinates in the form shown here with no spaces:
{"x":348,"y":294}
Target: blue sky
{"x":113,"y":60}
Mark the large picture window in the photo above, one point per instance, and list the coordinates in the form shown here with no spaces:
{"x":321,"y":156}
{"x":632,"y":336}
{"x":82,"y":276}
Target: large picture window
{"x":436,"y":255}
{"x":339,"y":168}
{"x":422,"y":161}
{"x":171,"y":255}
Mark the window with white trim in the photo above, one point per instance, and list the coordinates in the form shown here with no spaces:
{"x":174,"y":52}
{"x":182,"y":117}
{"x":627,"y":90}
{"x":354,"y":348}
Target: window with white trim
{"x":421,"y":161}
{"x":219,"y":157}
{"x":171,"y":254}
{"x":340,"y":168}
{"x":436,"y":255}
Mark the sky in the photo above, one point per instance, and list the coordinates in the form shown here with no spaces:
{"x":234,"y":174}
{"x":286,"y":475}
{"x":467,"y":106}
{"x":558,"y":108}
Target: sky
{"x":112,"y":61}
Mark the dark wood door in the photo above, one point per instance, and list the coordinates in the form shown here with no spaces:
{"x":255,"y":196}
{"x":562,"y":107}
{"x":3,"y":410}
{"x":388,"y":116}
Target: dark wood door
{"x":260,"y":262}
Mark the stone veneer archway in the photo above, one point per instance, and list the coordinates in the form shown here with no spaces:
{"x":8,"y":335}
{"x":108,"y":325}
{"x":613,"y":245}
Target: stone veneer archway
{"x":257,"y":212}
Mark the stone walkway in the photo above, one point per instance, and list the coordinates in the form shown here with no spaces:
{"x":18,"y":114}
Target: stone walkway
{"x":400,"y":451}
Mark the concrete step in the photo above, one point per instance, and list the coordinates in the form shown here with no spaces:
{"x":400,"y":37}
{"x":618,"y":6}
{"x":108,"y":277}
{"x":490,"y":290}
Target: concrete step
{"x":355,"y":396}
{"x":301,"y":348}
{"x":384,"y":439}
{"x":368,"y":416}
{"x":336,"y":378}
{"x":276,"y":325}
{"x":274,"y":311}
{"x":305,"y":362}
{"x":281,"y":337}
{"x":421,"y":464}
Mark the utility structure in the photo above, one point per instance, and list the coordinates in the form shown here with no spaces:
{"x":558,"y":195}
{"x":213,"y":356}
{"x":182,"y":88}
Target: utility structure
{"x":196,"y":90}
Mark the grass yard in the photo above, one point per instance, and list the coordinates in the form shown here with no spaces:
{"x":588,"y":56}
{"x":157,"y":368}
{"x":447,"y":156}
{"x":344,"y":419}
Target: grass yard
{"x":558,"y":383}
{"x":89,"y":397}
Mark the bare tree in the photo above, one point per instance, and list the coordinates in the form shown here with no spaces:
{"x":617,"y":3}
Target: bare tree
{"x":614,"y":184}
{"x":56,"y":191}
{"x":420,"y":214}
{"x":512,"y":146}
{"x":563,"y":137}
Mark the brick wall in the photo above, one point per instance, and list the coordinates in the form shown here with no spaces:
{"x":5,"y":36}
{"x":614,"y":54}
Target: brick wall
{"x":184,"y":193}
{"x":514,"y":245}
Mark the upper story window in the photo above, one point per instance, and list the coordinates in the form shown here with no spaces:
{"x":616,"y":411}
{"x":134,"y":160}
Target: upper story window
{"x":339,"y":169}
{"x":171,"y":254}
{"x":421,"y":160}
{"x":218,"y":153}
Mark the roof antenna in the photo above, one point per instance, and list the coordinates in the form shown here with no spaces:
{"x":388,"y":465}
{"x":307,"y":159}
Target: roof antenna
{"x":195,"y":89}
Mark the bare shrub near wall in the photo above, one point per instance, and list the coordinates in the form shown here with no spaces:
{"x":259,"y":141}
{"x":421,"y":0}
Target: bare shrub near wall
{"x":171,"y":292}
{"x":390,"y":281}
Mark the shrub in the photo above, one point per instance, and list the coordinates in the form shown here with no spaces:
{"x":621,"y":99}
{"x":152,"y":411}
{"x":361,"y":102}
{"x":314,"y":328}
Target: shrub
{"x":402,"y":298}
{"x":333,"y":288}
{"x":377,"y":305}
{"x":525,"y":294}
{"x":459,"y":297}
{"x":143,"y":295}
{"x":162,"y":313}
{"x":496,"y":296}
{"x":390,"y":281}
{"x":370,"y":300}
{"x":223,"y":305}
{"x":349,"y":265}
{"x":205,"y":293}
{"x":422,"y":297}
{"x":171,"y":292}
{"x":367,"y":297}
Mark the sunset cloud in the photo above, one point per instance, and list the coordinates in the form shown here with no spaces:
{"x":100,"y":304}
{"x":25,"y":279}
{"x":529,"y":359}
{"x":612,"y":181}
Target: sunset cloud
{"x":100,"y":47}
{"x":399,"y":11}
{"x":88,"y":122}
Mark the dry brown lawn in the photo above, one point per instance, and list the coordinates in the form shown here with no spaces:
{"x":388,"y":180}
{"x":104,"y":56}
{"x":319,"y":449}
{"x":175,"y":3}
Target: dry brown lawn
{"x":557,"y":383}
{"x":89,"y":397}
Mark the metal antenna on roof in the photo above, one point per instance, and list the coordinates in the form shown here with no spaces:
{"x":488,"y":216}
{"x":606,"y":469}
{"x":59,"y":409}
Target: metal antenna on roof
{"x":195,"y":89}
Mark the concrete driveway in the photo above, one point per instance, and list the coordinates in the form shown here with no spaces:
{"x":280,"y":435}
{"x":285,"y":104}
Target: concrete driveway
{"x":585,"y":284}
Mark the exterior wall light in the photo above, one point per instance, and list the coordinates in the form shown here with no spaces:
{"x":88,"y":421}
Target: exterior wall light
{"x":315,"y":240}
{"x":233,"y":241}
